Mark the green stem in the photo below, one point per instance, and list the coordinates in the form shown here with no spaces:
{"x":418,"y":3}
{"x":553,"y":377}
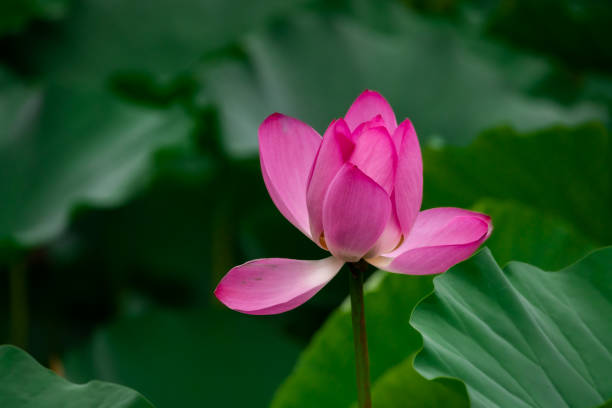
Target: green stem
{"x":362,"y":362}
{"x":19,"y":305}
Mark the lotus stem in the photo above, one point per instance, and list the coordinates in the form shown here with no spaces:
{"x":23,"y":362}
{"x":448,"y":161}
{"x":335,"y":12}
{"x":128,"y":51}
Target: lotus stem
{"x":362,"y":362}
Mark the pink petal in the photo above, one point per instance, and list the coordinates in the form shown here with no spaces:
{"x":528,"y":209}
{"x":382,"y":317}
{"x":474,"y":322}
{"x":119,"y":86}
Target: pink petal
{"x":366,"y":107}
{"x":390,"y":237}
{"x":287,"y":149}
{"x":375,"y":155}
{"x":335,"y":150}
{"x":274,"y":285}
{"x":409,"y":175}
{"x":355,"y":213}
{"x":376,"y":122}
{"x":439,"y":239}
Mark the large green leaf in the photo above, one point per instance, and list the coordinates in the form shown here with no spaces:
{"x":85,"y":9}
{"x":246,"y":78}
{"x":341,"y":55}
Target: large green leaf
{"x":190,"y":358}
{"x":575,"y":34}
{"x":18,"y":103}
{"x":161,"y":37}
{"x":64,"y":146}
{"x":15,"y":15}
{"x":25,"y":383}
{"x":521,"y":336}
{"x":329,"y":359}
{"x":402,"y":387}
{"x":607,"y":404}
{"x":313,"y":66}
{"x":561,"y":171}
{"x":522,"y":233}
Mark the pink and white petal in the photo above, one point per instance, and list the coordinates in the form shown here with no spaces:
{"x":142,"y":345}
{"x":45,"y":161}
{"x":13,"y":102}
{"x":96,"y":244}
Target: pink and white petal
{"x":375,"y":155}
{"x":334,"y":151}
{"x":355,"y":213}
{"x":274,"y":285}
{"x":409,"y":175}
{"x":287,"y":150}
{"x":439,"y":239}
{"x":366,"y":107}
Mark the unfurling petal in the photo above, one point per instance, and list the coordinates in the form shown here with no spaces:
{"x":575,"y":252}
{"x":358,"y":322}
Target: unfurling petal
{"x":440,"y":238}
{"x":355,"y":213}
{"x":335,"y":150}
{"x":408,"y":176}
{"x":366,"y":107}
{"x":375,"y":155}
{"x":287,"y":149}
{"x":274,"y":285}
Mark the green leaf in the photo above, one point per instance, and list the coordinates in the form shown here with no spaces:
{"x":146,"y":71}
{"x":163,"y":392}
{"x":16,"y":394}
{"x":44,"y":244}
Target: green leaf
{"x":579,"y":33}
{"x":607,"y":404}
{"x":402,"y":387}
{"x":15,"y":15}
{"x":521,"y":336}
{"x":64,"y":147}
{"x":314,"y":65}
{"x":25,"y":383}
{"x":18,"y":103}
{"x":389,"y":301}
{"x":189,"y":358}
{"x":163,"y":38}
{"x":329,"y":358}
{"x":561,"y":171}
{"x":522,"y":233}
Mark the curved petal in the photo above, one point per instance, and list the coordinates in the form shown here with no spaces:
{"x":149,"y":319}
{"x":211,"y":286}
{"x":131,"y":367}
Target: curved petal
{"x":390,"y":238}
{"x":334,"y":151}
{"x":408,"y":176}
{"x":355,"y":213}
{"x":366,"y":107}
{"x":287,"y":149}
{"x":376,"y":122}
{"x":274,"y":285}
{"x":439,"y":239}
{"x":375,"y":155}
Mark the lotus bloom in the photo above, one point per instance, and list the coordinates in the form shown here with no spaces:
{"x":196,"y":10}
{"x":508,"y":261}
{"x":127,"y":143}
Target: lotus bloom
{"x":356,"y":192}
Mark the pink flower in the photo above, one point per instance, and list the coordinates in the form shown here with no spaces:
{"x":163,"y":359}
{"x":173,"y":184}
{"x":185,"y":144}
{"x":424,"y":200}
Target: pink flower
{"x":357,"y":193}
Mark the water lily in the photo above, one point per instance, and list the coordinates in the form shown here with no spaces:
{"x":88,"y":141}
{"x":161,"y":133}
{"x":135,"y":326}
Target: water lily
{"x":357,"y":193}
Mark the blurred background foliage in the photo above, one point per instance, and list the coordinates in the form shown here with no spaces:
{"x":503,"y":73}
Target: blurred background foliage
{"x":130,"y":183}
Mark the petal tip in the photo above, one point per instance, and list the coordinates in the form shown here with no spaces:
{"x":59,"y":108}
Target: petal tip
{"x":440,"y":238}
{"x":368,"y":92}
{"x":287,"y":150}
{"x":367,"y":105}
{"x":271,"y":117}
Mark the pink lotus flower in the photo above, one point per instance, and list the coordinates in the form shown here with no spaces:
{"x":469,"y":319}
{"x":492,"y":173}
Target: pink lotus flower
{"x":357,"y":193}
